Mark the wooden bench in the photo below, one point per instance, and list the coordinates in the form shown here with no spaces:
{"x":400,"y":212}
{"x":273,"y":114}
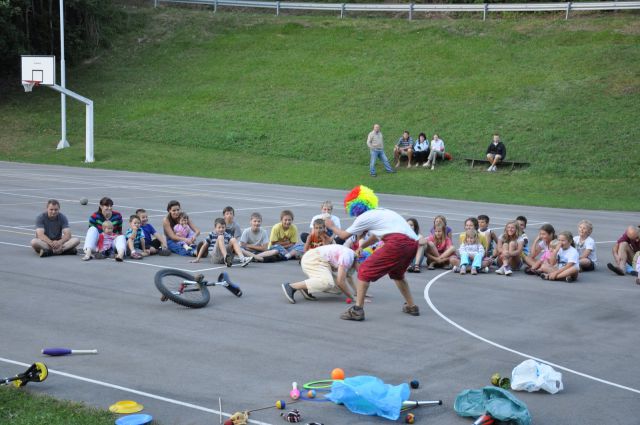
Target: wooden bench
{"x":502,"y":164}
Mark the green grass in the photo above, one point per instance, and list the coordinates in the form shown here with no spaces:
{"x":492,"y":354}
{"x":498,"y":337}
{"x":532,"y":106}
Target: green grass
{"x":291,"y":99}
{"x":20,"y":407}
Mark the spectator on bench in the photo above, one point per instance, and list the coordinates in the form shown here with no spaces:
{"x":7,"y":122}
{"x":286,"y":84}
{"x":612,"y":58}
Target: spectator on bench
{"x":404,"y":147}
{"x":496,"y":152}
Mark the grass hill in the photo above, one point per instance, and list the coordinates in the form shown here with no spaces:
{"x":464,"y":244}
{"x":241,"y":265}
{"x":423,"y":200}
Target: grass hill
{"x":291,"y":99}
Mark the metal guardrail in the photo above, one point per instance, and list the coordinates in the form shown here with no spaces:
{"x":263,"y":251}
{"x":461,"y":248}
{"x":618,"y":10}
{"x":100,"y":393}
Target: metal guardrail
{"x":410,"y":8}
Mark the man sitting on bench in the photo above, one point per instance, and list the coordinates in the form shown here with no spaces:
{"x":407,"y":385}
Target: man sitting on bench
{"x":496,"y":152}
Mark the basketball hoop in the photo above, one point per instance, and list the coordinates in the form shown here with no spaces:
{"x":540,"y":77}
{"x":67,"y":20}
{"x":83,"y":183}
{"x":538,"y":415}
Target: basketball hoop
{"x":29,"y":85}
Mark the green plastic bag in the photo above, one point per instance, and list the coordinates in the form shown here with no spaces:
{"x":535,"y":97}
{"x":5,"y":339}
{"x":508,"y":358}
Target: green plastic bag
{"x":498,"y":403}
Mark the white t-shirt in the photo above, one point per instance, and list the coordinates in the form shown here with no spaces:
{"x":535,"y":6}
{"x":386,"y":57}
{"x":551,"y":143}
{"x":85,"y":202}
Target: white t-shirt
{"x":336,"y":255}
{"x":588,"y":243}
{"x":569,"y":255}
{"x":259,"y":238}
{"x":381,"y":222}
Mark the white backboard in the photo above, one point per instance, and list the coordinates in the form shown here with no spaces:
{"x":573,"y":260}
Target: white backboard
{"x":39,"y":68}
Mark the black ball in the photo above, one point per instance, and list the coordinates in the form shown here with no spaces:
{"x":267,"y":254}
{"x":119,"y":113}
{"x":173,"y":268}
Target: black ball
{"x":414,"y":384}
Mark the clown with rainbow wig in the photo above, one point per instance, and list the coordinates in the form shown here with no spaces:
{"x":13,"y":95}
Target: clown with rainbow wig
{"x":392,"y":258}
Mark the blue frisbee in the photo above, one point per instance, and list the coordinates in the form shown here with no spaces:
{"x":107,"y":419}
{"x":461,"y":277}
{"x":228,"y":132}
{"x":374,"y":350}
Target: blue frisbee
{"x":140,"y":419}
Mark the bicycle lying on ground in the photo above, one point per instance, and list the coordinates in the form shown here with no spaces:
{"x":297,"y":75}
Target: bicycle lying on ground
{"x":188,"y":290}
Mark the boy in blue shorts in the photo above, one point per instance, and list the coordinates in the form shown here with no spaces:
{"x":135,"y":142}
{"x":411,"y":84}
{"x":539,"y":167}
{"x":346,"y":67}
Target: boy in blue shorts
{"x":223,"y":245}
{"x":154,"y":241}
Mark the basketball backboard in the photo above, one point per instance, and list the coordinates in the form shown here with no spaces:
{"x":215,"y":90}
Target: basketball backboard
{"x":39,"y":68}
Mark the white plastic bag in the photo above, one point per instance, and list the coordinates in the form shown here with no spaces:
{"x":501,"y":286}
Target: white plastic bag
{"x":533,"y":376}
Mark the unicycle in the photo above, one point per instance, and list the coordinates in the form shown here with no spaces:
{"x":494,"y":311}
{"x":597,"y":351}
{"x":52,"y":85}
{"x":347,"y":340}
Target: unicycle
{"x":188,"y":290}
{"x":37,"y":372}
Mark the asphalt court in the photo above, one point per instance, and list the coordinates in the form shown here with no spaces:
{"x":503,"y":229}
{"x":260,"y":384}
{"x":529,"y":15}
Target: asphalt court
{"x":247,"y":351}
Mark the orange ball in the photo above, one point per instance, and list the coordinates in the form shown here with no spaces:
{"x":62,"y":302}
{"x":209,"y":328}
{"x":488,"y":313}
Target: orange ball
{"x":337,"y":374}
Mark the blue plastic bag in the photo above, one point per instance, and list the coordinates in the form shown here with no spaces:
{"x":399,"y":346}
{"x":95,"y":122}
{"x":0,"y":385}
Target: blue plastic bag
{"x":368,"y":395}
{"x":499,"y":403}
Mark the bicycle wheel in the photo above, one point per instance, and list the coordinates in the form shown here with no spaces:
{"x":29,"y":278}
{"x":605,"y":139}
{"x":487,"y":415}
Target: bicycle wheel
{"x":181,"y":288}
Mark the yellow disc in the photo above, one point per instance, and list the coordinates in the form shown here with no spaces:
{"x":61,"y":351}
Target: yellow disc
{"x":126,"y":406}
{"x":18,"y":383}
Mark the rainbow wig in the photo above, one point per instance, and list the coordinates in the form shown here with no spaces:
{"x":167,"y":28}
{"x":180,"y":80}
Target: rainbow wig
{"x":360,"y":199}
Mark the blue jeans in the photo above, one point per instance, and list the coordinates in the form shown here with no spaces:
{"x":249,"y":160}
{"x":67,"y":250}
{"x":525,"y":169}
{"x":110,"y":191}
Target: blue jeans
{"x":378,"y":154}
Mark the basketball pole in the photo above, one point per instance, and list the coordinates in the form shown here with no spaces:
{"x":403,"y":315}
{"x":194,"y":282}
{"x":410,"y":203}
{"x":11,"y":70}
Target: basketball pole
{"x":63,"y":83}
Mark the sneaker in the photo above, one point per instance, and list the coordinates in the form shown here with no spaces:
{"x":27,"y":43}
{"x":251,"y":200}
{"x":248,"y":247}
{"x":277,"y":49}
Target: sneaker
{"x":119,"y":259}
{"x":431,"y":267}
{"x":633,"y":273}
{"x":490,"y":168}
{"x":413,"y":310}
{"x":228,"y":260}
{"x":307,"y":296}
{"x":456,"y":269}
{"x":70,"y":251}
{"x":508,"y":271}
{"x":289,"y":292}
{"x":570,"y":279}
{"x":615,"y":269}
{"x":244,"y":261}
{"x":426,"y":165}
{"x":136,"y":255}
{"x":45,"y":253}
{"x":87,"y":255}
{"x":164,"y":252}
{"x":474,"y":270}
{"x":463,"y":270}
{"x":374,"y":175}
{"x":353,"y":313}
{"x":391,"y":171}
{"x":485,"y":269}
{"x":433,"y":167}
{"x":500,"y":270}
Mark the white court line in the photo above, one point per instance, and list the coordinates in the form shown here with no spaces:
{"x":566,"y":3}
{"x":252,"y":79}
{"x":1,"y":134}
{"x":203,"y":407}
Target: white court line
{"x":133,"y":391}
{"x":510,"y":350}
{"x":15,"y":244}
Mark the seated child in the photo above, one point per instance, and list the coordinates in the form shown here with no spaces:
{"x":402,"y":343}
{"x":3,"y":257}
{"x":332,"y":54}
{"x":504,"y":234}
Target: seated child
{"x":564,"y":261}
{"x":183,"y":230}
{"x":233,"y":228}
{"x":509,"y":249}
{"x":222,"y":246}
{"x":522,"y":222}
{"x":540,"y":248}
{"x":284,"y":237}
{"x":586,"y":246}
{"x":439,"y":248}
{"x":442,"y":220}
{"x":318,"y":236}
{"x":135,"y":239}
{"x":471,"y":252}
{"x":254,"y":241}
{"x":154,"y":241}
{"x":489,"y":234}
{"x":545,"y":258}
{"x":106,"y":242}
{"x":414,"y":267}
{"x":326,"y":212}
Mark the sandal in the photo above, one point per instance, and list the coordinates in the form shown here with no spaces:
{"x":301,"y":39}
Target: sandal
{"x":544,"y":276}
{"x":431,"y":267}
